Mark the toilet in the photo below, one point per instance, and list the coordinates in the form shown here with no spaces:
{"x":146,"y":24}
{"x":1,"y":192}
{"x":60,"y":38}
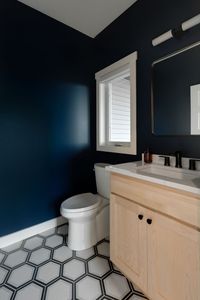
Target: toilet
{"x":88,"y":214}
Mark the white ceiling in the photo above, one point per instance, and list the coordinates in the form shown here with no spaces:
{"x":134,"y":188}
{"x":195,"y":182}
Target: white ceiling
{"x":87,"y":16}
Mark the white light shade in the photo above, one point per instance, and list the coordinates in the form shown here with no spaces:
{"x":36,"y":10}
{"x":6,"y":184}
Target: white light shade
{"x":191,"y":23}
{"x":185,"y":26}
{"x":162,"y":38}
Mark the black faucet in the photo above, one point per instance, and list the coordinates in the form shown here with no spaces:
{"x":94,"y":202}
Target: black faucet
{"x":178,"y":156}
{"x":166,"y":160}
{"x":192,"y":164}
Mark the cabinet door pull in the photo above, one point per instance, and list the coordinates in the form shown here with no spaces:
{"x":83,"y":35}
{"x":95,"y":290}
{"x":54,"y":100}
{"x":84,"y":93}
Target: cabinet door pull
{"x":149,"y":221}
{"x":140,"y":217}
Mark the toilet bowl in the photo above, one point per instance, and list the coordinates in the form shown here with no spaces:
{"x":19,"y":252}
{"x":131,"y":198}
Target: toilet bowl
{"x":81,"y":211}
{"x":88,"y":214}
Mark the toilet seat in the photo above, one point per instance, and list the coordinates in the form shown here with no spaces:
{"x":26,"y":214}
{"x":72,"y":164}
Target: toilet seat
{"x":81,"y":203}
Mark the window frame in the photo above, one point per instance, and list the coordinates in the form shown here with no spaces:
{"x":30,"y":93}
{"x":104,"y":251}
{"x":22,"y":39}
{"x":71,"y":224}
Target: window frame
{"x":112,"y":71}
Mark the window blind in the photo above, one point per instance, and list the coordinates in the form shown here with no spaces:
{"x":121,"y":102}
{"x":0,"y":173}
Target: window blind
{"x":119,"y":110}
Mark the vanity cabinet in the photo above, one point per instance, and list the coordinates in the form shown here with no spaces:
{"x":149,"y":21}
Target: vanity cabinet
{"x":173,"y":260}
{"x":128,"y":245}
{"x":156,"y":247}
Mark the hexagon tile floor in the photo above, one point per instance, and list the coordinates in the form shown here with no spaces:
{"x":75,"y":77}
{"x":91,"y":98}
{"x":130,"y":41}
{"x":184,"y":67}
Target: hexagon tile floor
{"x":44,"y":268}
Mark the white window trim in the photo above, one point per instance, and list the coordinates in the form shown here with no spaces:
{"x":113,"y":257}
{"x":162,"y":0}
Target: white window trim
{"x":108,"y":72}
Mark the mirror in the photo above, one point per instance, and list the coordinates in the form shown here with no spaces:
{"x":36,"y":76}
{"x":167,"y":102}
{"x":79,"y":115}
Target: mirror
{"x":176,"y":93}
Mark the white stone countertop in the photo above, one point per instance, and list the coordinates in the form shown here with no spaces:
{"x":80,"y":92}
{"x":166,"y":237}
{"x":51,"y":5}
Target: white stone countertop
{"x":137,"y":170}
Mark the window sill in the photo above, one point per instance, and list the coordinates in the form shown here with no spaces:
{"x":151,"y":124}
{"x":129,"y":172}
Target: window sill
{"x":116,"y":149}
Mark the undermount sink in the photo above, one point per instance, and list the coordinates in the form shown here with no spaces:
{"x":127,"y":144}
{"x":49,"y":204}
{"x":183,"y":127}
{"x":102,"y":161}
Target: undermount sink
{"x":178,"y":178}
{"x":170,"y":172}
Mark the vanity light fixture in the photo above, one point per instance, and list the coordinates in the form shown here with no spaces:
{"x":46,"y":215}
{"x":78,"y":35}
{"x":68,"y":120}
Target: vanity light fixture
{"x":176,"y":32}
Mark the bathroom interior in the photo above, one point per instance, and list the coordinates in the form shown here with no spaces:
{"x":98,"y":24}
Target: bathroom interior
{"x":100,"y":150}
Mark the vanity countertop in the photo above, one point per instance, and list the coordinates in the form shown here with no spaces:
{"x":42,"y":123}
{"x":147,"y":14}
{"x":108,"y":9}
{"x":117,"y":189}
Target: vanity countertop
{"x":183,"y":179}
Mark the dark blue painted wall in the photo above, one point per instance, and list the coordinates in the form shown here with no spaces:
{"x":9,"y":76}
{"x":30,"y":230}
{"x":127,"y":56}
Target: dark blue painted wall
{"x":134,"y":30}
{"x":46,"y":96}
{"x":47,"y":102}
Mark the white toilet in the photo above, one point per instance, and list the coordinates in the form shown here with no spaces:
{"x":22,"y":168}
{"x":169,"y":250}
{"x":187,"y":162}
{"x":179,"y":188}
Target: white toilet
{"x":88,"y":214}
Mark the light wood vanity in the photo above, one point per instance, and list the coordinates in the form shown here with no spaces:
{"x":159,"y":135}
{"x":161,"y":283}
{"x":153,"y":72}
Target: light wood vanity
{"x":155,"y":237}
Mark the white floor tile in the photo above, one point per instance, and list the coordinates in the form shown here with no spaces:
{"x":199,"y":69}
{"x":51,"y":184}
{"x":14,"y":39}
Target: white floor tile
{"x":5,"y":293}
{"x":33,"y":243}
{"x":1,"y":257}
{"x":16,"y":258}
{"x":39,"y":256}
{"x":48,"y":272}
{"x":60,"y":290}
{"x":85,"y":254}
{"x":62,"y":253}
{"x":88,"y":288}
{"x":40,"y":277}
{"x":54,"y":241}
{"x":98,"y":266}
{"x":21,"y":275}
{"x":104,"y":249}
{"x":116,"y":286}
{"x":30,"y":292}
{"x":74,"y":269}
{"x":3,"y":274}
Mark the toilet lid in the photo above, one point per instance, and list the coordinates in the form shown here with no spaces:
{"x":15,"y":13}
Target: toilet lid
{"x":81,"y":202}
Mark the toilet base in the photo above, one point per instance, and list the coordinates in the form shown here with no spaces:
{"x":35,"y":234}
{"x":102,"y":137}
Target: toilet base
{"x":82,"y":234}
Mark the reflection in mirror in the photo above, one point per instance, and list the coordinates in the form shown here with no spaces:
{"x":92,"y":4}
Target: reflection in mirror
{"x":195,"y":108}
{"x":176,"y":93}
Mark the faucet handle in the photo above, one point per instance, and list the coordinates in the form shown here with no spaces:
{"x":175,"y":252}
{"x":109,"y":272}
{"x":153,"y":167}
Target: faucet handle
{"x":166,"y":160}
{"x":178,"y":155}
{"x":192,"y":164}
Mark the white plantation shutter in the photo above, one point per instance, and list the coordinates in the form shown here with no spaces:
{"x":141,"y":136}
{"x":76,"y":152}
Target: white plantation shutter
{"x":119,"y":111}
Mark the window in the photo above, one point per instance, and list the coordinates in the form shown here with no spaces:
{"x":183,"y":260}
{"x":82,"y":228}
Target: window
{"x":116,"y":106}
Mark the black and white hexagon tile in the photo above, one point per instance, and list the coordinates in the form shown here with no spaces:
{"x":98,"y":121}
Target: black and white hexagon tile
{"x":44,"y":268}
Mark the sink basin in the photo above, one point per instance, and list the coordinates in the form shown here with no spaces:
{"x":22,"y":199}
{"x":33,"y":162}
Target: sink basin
{"x":170,"y":172}
{"x":182,"y":179}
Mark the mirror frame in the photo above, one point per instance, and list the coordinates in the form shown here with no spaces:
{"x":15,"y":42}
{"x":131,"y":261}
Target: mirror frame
{"x":152,"y":94}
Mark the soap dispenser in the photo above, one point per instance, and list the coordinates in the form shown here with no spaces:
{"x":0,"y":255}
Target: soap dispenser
{"x":147,"y":156}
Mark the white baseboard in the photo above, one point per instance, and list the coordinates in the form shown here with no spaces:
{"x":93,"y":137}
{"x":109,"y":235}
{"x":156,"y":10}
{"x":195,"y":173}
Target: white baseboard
{"x":30,"y":231}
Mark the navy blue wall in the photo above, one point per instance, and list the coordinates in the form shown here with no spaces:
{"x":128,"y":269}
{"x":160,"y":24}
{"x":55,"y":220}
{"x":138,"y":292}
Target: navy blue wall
{"x":46,"y":99}
{"x":134,"y":30}
{"x":47,"y":102}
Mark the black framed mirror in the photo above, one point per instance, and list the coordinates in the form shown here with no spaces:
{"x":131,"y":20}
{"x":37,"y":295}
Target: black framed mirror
{"x":176,"y":93}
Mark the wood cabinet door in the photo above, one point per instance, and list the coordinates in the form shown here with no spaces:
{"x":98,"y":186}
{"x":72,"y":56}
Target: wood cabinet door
{"x":173,"y":259}
{"x":128,"y":239}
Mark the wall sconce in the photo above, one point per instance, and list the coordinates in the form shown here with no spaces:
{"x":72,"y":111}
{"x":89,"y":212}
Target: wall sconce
{"x":176,"y":32}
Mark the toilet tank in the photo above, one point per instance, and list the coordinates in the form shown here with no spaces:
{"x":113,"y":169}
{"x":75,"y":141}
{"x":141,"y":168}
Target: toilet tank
{"x":102,"y":180}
